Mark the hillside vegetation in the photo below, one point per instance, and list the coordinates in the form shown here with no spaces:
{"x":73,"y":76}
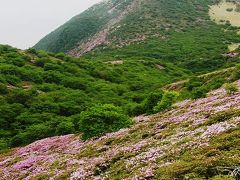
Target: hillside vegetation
{"x":165,"y":59}
{"x":115,"y":23}
{"x":43,"y":94}
{"x":197,"y":139}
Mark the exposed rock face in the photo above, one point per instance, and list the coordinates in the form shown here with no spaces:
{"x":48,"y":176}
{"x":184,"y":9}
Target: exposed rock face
{"x":140,"y":149}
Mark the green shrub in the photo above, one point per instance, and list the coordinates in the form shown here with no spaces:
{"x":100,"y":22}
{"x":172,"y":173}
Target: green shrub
{"x":102,"y":119}
{"x":199,"y":92}
{"x":3,"y":144}
{"x":41,"y":62}
{"x":74,"y":83}
{"x":31,"y":51}
{"x":65,"y":127}
{"x":20,"y":96}
{"x":151,"y":101}
{"x":12,"y":79}
{"x":231,"y":88}
{"x":134,"y":109}
{"x":3,"y":89}
{"x":166,"y":101}
{"x":60,"y":55}
{"x":193,"y":83}
{"x":32,"y":133}
{"x":236,"y":73}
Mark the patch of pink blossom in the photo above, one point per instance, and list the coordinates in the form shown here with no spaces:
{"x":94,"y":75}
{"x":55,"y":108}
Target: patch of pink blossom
{"x":28,"y":162}
{"x":151,"y":155}
{"x":57,"y":144}
{"x":81,"y":173}
{"x":217,"y":129}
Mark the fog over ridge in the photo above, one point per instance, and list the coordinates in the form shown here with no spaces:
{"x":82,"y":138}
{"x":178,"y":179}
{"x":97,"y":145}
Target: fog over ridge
{"x":24,"y":22}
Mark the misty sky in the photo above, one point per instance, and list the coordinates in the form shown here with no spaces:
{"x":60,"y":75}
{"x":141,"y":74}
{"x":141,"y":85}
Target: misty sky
{"x":24,"y":22}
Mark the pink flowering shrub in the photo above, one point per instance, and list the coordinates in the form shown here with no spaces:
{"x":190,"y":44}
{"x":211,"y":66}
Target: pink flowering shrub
{"x":191,"y":133}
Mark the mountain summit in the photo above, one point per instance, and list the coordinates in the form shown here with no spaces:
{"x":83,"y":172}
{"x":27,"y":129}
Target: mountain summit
{"x":117,"y":23}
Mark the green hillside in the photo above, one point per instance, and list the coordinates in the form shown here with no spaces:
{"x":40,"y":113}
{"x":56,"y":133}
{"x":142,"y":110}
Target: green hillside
{"x":39,"y":91}
{"x":116,"y":23}
{"x":43,"y":94}
{"x":133,"y":89}
{"x":81,"y":27}
{"x":196,"y":139}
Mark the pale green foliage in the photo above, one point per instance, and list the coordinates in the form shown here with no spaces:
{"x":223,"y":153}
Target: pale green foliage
{"x":166,"y":101}
{"x":101,"y":119}
{"x":231,"y":88}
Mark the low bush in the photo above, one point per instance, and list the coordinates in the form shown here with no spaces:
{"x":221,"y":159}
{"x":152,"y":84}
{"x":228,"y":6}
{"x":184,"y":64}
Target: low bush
{"x":223,"y":116}
{"x":193,"y":83}
{"x":3,"y":89}
{"x":101,"y":119}
{"x":236,"y":73}
{"x":134,"y":109}
{"x":65,"y":127}
{"x":33,"y":133}
{"x":199,"y":92}
{"x":231,"y":88}
{"x":166,"y":101}
{"x":151,"y":101}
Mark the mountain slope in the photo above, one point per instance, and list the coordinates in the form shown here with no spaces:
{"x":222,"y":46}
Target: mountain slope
{"x":93,"y":22}
{"x":116,"y":23}
{"x":40,"y":92}
{"x":196,"y":139}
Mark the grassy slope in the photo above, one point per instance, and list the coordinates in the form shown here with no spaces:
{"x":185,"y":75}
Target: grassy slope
{"x":197,"y":139}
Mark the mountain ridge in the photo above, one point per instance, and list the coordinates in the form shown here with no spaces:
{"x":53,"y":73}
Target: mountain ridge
{"x":128,"y":22}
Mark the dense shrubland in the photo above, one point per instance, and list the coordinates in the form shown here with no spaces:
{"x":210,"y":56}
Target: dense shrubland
{"x":42,"y":93}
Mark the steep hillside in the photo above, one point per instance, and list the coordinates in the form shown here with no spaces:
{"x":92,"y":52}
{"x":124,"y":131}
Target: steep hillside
{"x":41,"y":93}
{"x":89,"y":27}
{"x":116,"y":23}
{"x":197,"y":139}
{"x":177,"y":59}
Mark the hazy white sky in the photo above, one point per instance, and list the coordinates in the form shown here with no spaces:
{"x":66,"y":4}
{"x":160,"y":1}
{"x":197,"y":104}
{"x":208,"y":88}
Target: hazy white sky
{"x":24,"y":22}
